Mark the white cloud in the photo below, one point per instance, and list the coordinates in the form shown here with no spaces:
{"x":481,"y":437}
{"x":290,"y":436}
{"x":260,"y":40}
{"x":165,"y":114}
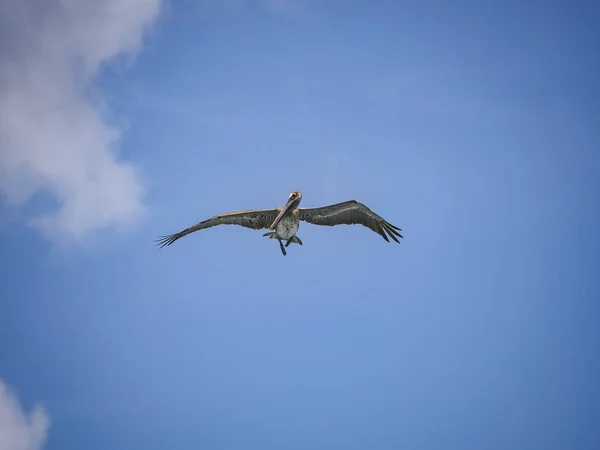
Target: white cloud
{"x":18,"y":430}
{"x":53,"y":137}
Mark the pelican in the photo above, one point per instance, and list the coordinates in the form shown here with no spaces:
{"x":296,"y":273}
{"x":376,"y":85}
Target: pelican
{"x":285,"y":221}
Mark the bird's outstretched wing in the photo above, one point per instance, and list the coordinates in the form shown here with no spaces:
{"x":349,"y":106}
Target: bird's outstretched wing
{"x":255,"y":219}
{"x":350,"y":212}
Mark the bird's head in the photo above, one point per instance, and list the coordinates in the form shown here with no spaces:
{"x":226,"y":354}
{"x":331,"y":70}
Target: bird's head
{"x":292,"y":203}
{"x":295,"y":195}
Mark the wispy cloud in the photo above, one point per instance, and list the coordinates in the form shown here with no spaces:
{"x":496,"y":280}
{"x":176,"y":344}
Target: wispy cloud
{"x":53,"y":136}
{"x":18,"y":430}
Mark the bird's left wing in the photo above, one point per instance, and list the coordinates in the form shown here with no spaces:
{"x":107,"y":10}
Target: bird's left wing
{"x":255,"y":219}
{"x":350,"y":212}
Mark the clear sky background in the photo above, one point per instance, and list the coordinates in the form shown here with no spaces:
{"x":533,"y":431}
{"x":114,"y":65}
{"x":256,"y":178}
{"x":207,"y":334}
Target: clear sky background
{"x":473,"y":126}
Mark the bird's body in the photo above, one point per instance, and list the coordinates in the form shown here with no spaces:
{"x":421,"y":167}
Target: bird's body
{"x":285,"y":221}
{"x":287,"y":226}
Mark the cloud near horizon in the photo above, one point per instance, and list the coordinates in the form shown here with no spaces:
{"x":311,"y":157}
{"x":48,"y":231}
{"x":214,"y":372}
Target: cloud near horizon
{"x":53,"y":137}
{"x":18,"y":430}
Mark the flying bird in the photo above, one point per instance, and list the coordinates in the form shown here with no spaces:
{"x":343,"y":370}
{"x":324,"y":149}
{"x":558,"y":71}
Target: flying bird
{"x":285,"y":221}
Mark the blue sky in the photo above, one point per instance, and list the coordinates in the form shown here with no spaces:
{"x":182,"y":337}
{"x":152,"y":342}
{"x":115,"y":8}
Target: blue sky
{"x":473,"y":126}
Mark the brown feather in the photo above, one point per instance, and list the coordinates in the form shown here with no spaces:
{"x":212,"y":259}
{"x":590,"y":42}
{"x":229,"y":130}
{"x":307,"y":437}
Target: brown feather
{"x":255,"y":219}
{"x":349,"y":213}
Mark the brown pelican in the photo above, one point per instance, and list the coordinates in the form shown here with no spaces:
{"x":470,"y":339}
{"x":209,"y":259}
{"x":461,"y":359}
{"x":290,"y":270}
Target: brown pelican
{"x":285,"y":220}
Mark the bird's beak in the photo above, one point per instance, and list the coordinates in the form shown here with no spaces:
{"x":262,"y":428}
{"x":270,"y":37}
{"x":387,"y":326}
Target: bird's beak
{"x":285,"y":209}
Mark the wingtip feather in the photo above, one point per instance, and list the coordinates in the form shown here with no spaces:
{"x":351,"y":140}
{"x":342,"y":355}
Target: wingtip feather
{"x":165,"y":241}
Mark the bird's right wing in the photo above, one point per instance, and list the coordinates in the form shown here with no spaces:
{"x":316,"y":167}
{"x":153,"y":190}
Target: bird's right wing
{"x":255,"y":219}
